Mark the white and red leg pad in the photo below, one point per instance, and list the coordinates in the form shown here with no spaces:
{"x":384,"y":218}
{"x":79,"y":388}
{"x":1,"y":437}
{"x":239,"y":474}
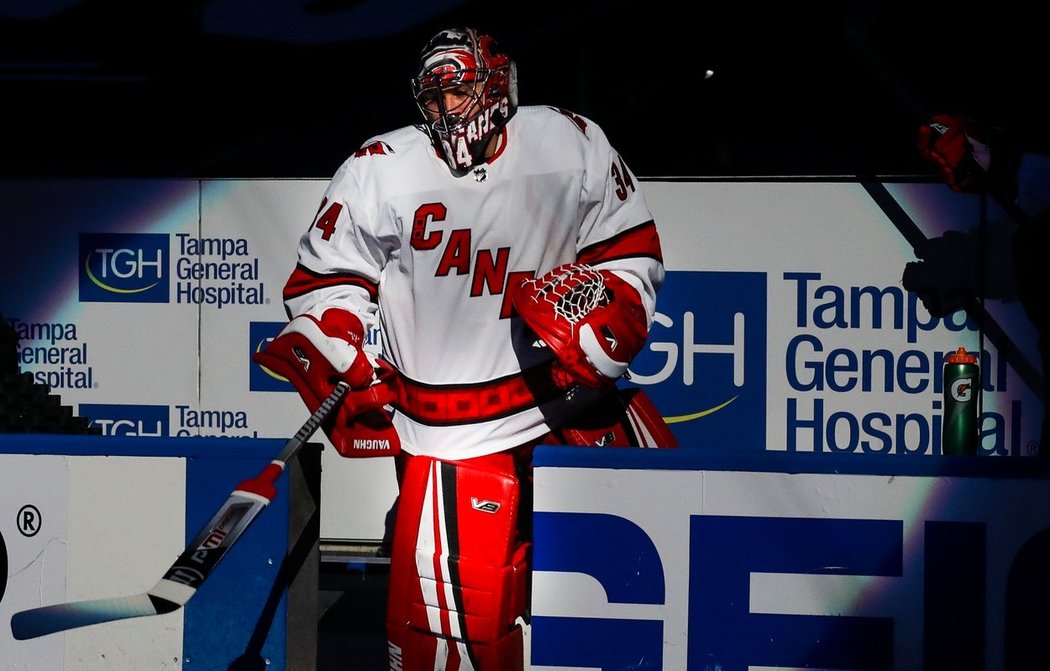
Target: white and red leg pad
{"x":413,"y":650}
{"x":458,"y":572}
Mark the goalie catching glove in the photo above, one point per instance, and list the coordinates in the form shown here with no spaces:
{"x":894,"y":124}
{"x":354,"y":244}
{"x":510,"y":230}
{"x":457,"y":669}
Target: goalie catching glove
{"x":592,"y":321}
{"x":314,"y":355}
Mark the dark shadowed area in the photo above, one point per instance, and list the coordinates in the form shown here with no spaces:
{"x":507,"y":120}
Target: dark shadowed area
{"x":263,"y":89}
{"x":243,"y":88}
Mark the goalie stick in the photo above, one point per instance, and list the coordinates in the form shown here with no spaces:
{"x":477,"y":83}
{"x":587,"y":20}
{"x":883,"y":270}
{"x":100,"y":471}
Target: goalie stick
{"x":196,"y":562}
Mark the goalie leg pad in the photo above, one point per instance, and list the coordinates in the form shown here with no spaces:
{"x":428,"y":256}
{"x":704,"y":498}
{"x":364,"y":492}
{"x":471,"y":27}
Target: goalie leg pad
{"x":459,"y":567}
{"x":417,"y":651}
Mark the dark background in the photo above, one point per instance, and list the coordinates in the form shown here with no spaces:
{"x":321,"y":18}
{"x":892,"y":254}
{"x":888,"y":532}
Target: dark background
{"x":243,"y":88}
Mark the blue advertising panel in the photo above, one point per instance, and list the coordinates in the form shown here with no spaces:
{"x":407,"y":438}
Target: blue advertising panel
{"x":697,"y":560}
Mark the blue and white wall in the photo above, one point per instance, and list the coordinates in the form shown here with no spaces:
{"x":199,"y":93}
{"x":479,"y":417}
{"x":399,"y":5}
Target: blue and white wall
{"x":91,"y":517}
{"x":783,"y":326}
{"x":697,"y":560}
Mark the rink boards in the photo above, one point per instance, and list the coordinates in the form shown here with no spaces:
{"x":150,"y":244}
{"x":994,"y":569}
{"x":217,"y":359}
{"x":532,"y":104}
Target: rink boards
{"x":90,"y":517}
{"x":783,"y":324}
{"x":783,"y":330}
{"x":690,"y":561}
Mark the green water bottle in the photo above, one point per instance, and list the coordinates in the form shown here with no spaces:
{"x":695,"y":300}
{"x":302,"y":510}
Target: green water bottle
{"x":962,"y":389}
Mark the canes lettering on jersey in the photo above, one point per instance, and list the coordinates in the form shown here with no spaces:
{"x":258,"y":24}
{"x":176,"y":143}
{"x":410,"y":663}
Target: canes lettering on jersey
{"x":448,"y":249}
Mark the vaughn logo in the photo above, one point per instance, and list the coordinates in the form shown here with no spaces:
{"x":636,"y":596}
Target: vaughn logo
{"x":484,"y":505}
{"x":704,"y":364}
{"x":124,"y":267}
{"x":128,"y":420}
{"x":371,"y":444}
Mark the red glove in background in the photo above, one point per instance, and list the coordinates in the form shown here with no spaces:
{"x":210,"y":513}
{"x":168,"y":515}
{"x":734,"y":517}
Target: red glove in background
{"x":948,"y":142}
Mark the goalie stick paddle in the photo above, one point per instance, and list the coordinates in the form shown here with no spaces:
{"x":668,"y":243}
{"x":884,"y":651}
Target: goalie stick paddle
{"x":195,"y":563}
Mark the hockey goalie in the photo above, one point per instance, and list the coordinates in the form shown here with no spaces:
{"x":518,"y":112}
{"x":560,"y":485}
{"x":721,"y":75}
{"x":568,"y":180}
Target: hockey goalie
{"x":510,"y":264}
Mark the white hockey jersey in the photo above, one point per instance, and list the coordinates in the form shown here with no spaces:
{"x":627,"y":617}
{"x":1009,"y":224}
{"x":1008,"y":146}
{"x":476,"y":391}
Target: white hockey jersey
{"x":399,"y":239}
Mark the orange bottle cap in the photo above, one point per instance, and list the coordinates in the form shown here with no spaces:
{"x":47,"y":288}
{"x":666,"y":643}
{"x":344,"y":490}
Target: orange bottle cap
{"x":961,"y":356}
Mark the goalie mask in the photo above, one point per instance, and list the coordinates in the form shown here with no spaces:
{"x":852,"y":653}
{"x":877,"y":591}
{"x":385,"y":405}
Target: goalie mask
{"x":466,"y":88}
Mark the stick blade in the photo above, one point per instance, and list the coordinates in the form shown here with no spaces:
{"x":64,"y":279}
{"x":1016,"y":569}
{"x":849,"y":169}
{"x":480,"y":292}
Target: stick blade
{"x":195,"y":563}
{"x":45,"y":620}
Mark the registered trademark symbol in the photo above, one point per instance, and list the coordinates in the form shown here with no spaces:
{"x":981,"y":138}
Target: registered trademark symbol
{"x":3,"y":567}
{"x":28,"y":521}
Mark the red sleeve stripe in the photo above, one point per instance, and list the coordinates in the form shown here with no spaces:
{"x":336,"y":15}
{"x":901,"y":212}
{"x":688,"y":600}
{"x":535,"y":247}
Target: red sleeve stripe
{"x":640,"y":241}
{"x":303,"y":280}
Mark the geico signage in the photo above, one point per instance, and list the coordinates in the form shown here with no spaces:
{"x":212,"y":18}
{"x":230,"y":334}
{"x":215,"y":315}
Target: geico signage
{"x":844,"y":572}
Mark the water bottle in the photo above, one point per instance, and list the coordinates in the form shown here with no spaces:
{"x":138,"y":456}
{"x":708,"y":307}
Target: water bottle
{"x":962,"y":389}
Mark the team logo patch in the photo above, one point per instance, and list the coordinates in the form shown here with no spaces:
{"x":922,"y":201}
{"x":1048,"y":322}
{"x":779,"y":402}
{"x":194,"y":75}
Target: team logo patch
{"x":704,"y":364}
{"x":124,"y":267}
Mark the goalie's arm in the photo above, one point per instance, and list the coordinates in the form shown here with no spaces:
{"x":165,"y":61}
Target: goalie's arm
{"x":636,"y":257}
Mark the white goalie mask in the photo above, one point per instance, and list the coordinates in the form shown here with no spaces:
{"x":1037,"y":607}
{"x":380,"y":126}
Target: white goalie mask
{"x":466,"y":89}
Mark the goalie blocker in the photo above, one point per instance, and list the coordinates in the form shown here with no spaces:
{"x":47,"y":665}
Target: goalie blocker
{"x":315,"y":355}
